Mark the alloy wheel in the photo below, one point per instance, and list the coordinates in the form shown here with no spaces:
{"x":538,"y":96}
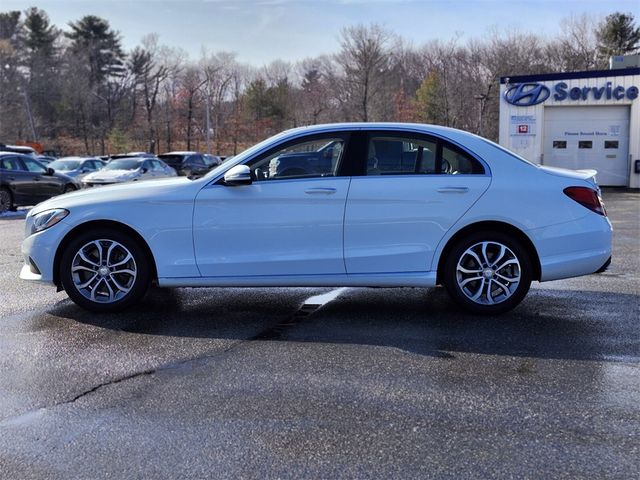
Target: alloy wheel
{"x":103,"y":271}
{"x":488,"y":273}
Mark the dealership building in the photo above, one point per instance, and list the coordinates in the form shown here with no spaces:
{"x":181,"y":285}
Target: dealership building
{"x":577,"y":120}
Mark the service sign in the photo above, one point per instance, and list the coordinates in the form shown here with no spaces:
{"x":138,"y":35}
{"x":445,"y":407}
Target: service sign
{"x":530,"y":94}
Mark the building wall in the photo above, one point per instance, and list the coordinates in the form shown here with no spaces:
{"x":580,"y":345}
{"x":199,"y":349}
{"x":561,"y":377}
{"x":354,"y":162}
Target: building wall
{"x":530,"y":144}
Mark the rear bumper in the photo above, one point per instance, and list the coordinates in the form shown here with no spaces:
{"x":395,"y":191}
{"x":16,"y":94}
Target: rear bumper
{"x":572,"y":249}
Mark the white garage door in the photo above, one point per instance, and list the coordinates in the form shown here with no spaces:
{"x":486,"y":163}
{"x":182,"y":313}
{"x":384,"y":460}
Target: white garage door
{"x":589,"y":137}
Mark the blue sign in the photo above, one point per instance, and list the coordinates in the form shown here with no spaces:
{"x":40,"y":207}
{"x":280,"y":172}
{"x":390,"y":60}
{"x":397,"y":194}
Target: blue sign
{"x":526,"y":94}
{"x":529,"y":94}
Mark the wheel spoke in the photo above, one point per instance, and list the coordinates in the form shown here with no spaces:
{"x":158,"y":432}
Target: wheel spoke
{"x":109,"y":250}
{"x":125,"y":271}
{"x":88,"y":282}
{"x":78,"y":268}
{"x":475,"y":257}
{"x":111,"y":292}
{"x":500,"y":255}
{"x":508,"y":279}
{"x":504,"y":288}
{"x":470,"y":279}
{"x":98,"y":246}
{"x":120,"y":287}
{"x":488,"y":294}
{"x":84,"y":258}
{"x":511,"y":261}
{"x":484,"y":253}
{"x":122,"y":262}
{"x":95,"y":289}
{"x":469,"y":270}
{"x":477,"y":295}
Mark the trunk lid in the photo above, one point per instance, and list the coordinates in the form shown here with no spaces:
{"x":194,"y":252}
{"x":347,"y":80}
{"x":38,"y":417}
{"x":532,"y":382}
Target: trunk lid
{"x":587,"y":175}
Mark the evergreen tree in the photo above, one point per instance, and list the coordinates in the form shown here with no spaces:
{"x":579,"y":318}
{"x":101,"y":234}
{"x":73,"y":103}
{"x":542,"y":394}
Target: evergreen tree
{"x":93,"y":37}
{"x":618,"y":35}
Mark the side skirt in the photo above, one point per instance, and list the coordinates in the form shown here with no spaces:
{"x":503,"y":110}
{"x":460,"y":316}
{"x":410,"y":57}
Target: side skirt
{"x":403,"y":279}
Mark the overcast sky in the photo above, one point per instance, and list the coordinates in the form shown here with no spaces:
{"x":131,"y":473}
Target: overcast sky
{"x":260,"y":31}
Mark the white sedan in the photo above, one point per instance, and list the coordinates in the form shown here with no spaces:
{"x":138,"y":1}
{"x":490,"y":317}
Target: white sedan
{"x":129,"y":170}
{"x":368,"y":205}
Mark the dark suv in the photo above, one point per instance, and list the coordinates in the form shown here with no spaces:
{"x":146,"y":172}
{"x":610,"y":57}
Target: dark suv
{"x":25,"y":181}
{"x":192,"y":164}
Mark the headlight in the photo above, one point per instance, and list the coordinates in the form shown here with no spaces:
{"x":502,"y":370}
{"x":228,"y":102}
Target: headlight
{"x":46,"y":219}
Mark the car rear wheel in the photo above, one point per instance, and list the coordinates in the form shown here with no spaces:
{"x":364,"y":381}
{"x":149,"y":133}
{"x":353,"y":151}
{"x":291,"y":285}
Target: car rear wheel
{"x":6,"y":202}
{"x":104,"y":270}
{"x":488,"y":273}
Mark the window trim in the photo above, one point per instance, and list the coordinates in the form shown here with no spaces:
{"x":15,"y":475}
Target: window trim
{"x":343,"y":167}
{"x":361,"y":167}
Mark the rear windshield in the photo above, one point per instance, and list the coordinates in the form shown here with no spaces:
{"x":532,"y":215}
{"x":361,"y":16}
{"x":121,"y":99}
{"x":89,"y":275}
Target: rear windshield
{"x":171,"y":158}
{"x":123,"y":164}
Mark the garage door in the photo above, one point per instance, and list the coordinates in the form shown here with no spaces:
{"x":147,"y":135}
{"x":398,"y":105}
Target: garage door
{"x":589,"y":137}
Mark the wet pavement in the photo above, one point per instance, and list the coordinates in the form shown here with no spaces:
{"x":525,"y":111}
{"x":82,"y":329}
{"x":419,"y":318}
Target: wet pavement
{"x":294,"y":383}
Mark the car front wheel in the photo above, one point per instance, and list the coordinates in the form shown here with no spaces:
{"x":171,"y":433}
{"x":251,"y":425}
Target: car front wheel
{"x":488,"y":273}
{"x":104,"y":270}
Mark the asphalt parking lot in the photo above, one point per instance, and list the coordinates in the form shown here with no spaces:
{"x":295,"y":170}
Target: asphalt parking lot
{"x":385,"y":383}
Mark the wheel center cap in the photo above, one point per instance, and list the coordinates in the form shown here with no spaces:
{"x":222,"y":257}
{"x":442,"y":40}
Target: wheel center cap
{"x":103,"y":271}
{"x":487,"y":273}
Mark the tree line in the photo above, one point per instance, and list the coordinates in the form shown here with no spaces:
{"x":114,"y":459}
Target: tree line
{"x":78,"y":91}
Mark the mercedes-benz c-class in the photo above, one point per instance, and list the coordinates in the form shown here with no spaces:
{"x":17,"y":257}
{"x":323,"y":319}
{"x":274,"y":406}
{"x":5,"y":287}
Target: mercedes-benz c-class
{"x":385,"y":205}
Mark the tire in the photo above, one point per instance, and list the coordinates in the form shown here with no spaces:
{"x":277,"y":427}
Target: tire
{"x":488,"y":283}
{"x":6,"y":200}
{"x":69,"y":188}
{"x":107,"y":283}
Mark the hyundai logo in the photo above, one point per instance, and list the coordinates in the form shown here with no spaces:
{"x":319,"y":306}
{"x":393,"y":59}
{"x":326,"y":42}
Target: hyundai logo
{"x":526,"y":94}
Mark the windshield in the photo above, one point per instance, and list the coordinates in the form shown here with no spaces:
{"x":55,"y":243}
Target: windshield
{"x":65,"y":165}
{"x":123,"y":164}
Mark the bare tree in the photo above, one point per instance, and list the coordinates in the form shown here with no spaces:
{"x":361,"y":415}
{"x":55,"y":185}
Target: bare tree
{"x":364,"y":60}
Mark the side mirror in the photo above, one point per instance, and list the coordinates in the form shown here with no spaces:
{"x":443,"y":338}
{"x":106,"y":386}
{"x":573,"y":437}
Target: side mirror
{"x":50,"y":171}
{"x":144,"y":170}
{"x":238,"y":175}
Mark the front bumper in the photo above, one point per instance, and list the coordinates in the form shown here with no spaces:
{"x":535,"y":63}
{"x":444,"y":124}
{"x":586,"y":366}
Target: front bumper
{"x":39,"y":251}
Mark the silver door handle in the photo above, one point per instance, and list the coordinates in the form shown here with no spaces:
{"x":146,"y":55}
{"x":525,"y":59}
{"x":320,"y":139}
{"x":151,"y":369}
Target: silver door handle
{"x":320,"y":190}
{"x":453,"y":190}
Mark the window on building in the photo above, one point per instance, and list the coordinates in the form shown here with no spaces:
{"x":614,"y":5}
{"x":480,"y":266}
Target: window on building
{"x":559,"y":144}
{"x":611,"y":144}
{"x":585,"y":144}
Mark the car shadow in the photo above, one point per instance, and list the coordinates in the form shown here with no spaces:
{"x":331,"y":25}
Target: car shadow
{"x":558,"y":324}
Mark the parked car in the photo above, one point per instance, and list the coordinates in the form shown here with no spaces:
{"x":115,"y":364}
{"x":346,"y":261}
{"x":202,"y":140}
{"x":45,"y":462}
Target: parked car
{"x":25,"y":181}
{"x":117,"y":156}
{"x":190,"y":163}
{"x":45,"y":159}
{"x":77,"y":167}
{"x":128,"y":170}
{"x":398,"y":205}
{"x":23,"y":149}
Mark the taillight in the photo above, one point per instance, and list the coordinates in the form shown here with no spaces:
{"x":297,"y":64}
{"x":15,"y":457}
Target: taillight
{"x":587,"y":197}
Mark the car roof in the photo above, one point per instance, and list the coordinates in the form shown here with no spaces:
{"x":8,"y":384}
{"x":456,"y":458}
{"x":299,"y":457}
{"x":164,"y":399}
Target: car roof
{"x":15,"y":153}
{"x":179,"y":153}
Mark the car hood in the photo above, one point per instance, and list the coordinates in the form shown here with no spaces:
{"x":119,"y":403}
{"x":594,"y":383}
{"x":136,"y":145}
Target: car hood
{"x":111,"y":174}
{"x":125,"y":192}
